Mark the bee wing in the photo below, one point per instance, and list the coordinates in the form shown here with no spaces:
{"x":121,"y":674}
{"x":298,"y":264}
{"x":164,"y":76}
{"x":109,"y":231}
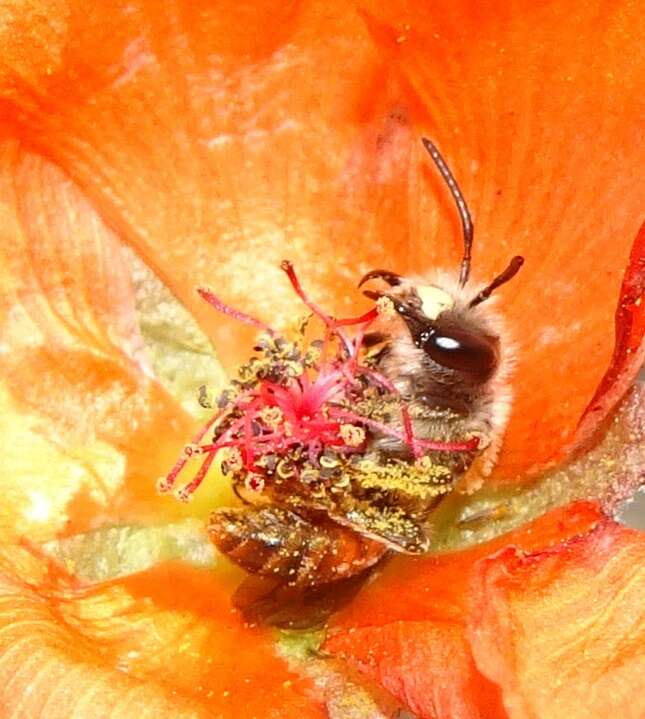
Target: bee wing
{"x":389,"y":525}
{"x":383,"y":521}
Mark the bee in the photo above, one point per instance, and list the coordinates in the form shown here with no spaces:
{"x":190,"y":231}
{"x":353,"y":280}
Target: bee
{"x":317,"y":533}
{"x":444,"y":355}
{"x":447,"y":358}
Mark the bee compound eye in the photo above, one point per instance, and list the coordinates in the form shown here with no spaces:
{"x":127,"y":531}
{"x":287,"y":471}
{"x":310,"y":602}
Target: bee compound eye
{"x":473,"y":354}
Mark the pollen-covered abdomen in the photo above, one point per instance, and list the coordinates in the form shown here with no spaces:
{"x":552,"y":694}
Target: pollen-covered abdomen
{"x":274,"y":542}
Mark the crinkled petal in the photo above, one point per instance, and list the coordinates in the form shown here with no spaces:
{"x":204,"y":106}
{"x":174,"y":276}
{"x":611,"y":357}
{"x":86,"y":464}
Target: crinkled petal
{"x":428,"y":667}
{"x":629,"y":347}
{"x":166,"y":643}
{"x":86,"y":429}
{"x":407,"y":629}
{"x":437,"y":587}
{"x":562,"y":631}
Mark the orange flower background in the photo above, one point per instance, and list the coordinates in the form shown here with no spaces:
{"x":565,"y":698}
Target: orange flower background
{"x":214,"y":140}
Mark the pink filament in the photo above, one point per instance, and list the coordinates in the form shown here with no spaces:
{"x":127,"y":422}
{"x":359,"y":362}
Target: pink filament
{"x":367,"y":318}
{"x":186,"y":491}
{"x":214,"y":301}
{"x":295,"y":283}
{"x":171,"y":477}
{"x":465,"y":446}
{"x":330,"y":322}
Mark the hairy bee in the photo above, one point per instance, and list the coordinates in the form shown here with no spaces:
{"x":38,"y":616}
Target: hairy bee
{"x":447,"y":358}
{"x":380,"y":440}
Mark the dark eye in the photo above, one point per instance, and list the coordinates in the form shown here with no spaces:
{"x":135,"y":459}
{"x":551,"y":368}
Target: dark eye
{"x":474,"y":354}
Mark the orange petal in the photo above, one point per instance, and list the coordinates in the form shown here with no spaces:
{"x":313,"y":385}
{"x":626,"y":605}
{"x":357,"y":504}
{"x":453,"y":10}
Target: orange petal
{"x":562,"y":631}
{"x":436,"y":587}
{"x":86,"y":428}
{"x":629,"y":348}
{"x":136,"y":648}
{"x":216,"y":154}
{"x":541,"y":132}
{"x":428,"y":667}
{"x":407,"y":629}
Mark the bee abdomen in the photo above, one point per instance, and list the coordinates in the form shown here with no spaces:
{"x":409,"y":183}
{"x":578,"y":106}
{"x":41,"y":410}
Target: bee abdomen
{"x":273,"y":542}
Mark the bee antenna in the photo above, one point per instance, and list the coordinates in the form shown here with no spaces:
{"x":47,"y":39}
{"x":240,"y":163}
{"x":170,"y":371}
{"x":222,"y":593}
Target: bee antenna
{"x":501,"y":279}
{"x":462,"y":207}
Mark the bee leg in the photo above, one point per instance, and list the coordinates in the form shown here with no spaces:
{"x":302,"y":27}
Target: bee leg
{"x":371,"y":339}
{"x":266,"y":601}
{"x":276,"y":543}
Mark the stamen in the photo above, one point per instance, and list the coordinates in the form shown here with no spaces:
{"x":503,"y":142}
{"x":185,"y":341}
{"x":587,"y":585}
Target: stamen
{"x":469,"y":445}
{"x":409,"y":434}
{"x":254,"y":483}
{"x":385,"y":307}
{"x":352,"y":435}
{"x":436,"y":445}
{"x":375,"y":424}
{"x":329,"y":321}
{"x":271,"y":416}
{"x":214,"y":301}
{"x":287,"y":267}
{"x":165,"y":484}
{"x":367,"y":317}
{"x":185,"y":493}
{"x":286,"y":412}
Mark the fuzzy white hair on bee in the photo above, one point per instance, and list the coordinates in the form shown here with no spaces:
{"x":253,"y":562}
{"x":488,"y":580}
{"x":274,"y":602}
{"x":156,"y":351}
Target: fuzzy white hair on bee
{"x":452,"y":353}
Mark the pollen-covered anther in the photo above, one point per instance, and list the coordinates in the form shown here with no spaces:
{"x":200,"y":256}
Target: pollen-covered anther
{"x":352,"y":435}
{"x":482,"y":436}
{"x":163,"y":486}
{"x":183,"y":494}
{"x":271,"y":416}
{"x":313,"y":354}
{"x":385,"y":307}
{"x":284,"y":469}
{"x":424,"y":462}
{"x":328,"y":462}
{"x":233,"y":458}
{"x":205,"y":397}
{"x":254,"y":483}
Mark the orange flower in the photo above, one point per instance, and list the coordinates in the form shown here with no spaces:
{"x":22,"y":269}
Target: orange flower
{"x":213,"y":142}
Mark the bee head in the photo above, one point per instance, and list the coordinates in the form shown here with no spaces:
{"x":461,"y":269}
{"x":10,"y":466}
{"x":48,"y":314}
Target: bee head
{"x":453,"y":341}
{"x":450,"y":333}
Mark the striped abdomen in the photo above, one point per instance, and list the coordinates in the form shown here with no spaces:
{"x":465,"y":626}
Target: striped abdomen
{"x":273,"y":542}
